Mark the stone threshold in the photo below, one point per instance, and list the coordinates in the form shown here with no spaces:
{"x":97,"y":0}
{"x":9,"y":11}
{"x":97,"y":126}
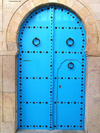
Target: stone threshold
{"x":48,"y":131}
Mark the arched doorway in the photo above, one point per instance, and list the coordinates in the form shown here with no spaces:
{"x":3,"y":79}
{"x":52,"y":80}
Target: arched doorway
{"x":51,"y":71}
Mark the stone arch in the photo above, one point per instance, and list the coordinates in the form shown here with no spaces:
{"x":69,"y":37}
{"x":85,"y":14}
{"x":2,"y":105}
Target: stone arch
{"x":88,"y":19}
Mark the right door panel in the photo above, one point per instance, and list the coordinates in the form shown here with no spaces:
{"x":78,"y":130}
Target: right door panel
{"x":69,"y":71}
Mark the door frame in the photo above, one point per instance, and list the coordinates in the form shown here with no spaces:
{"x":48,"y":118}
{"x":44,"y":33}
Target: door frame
{"x":63,"y":6}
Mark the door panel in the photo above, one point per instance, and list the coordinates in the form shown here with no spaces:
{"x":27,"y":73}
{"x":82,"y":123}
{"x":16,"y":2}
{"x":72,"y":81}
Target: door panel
{"x":51,"y":71}
{"x":69,"y":84}
{"x":33,"y":72}
{"x":68,"y":95}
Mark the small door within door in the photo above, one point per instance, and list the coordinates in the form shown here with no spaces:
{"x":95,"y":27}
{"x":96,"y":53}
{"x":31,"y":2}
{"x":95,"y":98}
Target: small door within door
{"x":51,"y":71}
{"x":67,"y":100}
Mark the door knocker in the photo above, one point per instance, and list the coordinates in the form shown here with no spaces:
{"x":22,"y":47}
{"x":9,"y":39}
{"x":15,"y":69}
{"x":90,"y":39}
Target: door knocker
{"x":69,"y":41}
{"x":71,"y":65}
{"x":36,"y":41}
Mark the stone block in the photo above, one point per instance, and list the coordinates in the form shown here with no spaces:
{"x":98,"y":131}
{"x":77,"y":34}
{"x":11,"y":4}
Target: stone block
{"x":91,"y":48}
{"x":92,"y":28}
{"x":93,"y":38}
{"x":93,"y":64}
{"x":17,"y":18}
{"x":99,"y":110}
{"x":8,"y":114}
{"x":37,"y":2}
{"x":29,"y":5}
{"x":92,"y":42}
{"x":0,"y":73}
{"x":93,"y":83}
{"x":13,"y":27}
{"x":44,"y":1}
{"x":7,"y":15}
{"x":8,"y":107}
{"x":4,"y":45}
{"x":0,"y":26}
{"x":93,"y":94}
{"x":14,"y":0}
{"x":77,"y":6}
{"x":13,"y":5}
{"x":0,"y":99}
{"x":8,"y":73}
{"x":1,"y":40}
{"x":4,"y":37}
{"x":12,"y":46}
{"x":98,"y":25}
{"x":92,"y":12}
{"x":52,"y":0}
{"x":8,"y":53}
{"x":84,"y":13}
{"x":93,"y":116}
{"x":89,"y":20}
{"x":93,"y":128}
{"x":0,"y":119}
{"x":62,"y":1}
{"x":8,"y":100}
{"x":0,"y":3}
{"x":11,"y":37}
{"x":95,"y":7}
{"x":8,"y":127}
{"x":97,"y":14}
{"x":99,"y":41}
{"x":84,"y":2}
{"x":93,"y":1}
{"x":23,"y":10}
{"x":70,"y":3}
{"x":0,"y":14}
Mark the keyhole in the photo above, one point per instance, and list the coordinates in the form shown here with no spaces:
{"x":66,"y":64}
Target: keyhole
{"x":59,"y":86}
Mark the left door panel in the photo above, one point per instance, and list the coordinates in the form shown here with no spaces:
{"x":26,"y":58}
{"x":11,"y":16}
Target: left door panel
{"x":34,"y":71}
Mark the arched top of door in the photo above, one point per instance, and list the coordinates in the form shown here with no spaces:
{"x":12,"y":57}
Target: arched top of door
{"x":81,"y":11}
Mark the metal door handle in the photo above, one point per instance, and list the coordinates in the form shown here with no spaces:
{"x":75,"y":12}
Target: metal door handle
{"x":36,"y":41}
{"x":69,"y":41}
{"x":71,"y":65}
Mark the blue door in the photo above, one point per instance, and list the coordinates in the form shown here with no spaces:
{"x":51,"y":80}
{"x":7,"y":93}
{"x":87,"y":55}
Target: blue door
{"x":51,"y":71}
